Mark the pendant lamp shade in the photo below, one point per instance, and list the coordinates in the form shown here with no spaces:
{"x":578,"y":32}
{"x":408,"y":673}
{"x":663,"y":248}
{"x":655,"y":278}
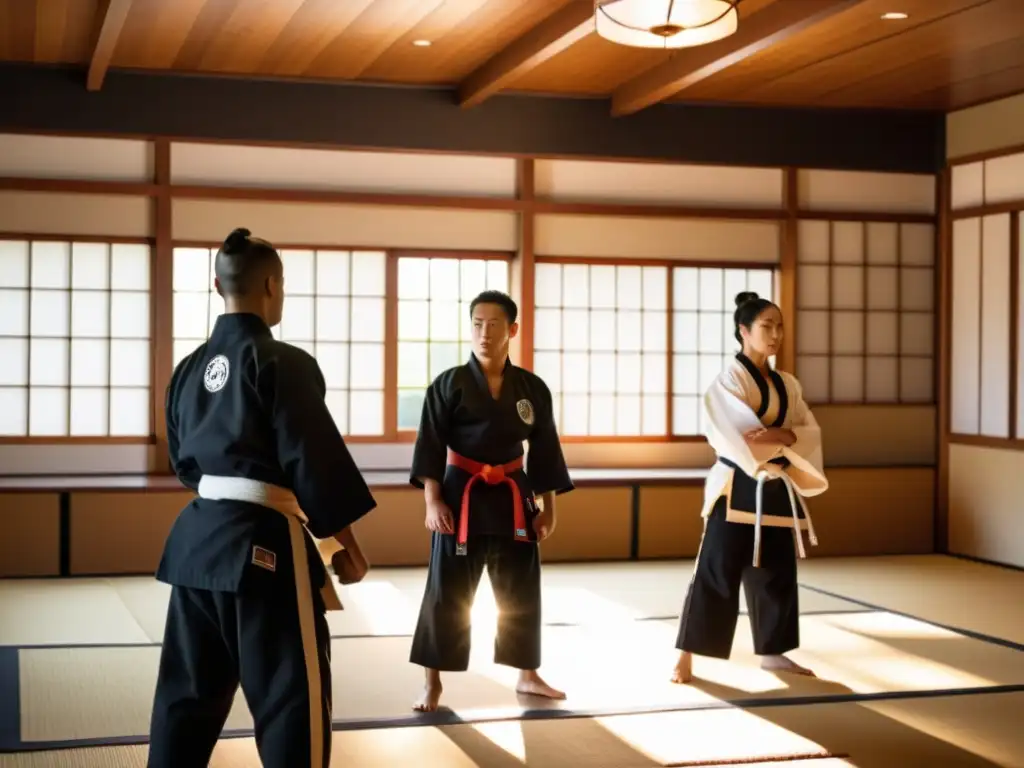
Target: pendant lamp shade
{"x":665,"y":23}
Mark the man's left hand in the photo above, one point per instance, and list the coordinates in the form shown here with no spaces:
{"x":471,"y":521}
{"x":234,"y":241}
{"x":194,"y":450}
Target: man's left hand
{"x":544,"y":525}
{"x":350,"y":568}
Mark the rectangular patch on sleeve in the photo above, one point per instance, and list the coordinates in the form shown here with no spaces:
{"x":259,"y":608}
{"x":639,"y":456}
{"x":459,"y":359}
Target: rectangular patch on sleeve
{"x":264,"y":558}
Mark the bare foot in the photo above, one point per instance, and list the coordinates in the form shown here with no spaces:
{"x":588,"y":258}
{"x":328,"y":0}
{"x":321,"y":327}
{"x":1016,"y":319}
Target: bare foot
{"x":683,"y":673}
{"x":531,"y":684}
{"x":427,"y":702}
{"x":782,"y":664}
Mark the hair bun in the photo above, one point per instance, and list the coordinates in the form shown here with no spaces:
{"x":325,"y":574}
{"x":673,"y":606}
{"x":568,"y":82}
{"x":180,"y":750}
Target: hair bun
{"x":237,"y":240}
{"x":744,"y":296}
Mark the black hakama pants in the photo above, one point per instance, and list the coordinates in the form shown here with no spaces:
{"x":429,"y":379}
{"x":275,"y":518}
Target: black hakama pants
{"x":442,"y":637}
{"x":276,"y":645}
{"x":725,"y":560}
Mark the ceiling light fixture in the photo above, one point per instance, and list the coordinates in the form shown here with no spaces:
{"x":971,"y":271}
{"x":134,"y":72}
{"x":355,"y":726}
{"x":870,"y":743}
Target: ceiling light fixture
{"x":421,"y":43}
{"x":894,"y":16}
{"x":665,"y":23}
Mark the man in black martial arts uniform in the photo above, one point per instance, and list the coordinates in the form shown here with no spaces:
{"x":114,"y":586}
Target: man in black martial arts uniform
{"x":248,"y":430}
{"x":469,"y":458}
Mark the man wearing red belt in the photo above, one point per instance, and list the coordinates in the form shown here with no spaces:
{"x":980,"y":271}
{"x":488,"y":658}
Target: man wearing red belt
{"x":481,"y":502}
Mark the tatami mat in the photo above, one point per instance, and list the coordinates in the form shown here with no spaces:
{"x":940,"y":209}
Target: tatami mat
{"x":978,"y":731}
{"x":946,"y":590}
{"x":131,"y":610}
{"x":87,"y":693}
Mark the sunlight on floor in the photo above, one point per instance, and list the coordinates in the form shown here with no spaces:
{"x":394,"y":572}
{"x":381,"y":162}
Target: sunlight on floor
{"x":507,"y":735}
{"x":729,"y":734}
{"x":979,"y":732}
{"x":386,"y":608}
{"x":880,"y":660}
{"x":578,"y":605}
{"x":878,"y":624}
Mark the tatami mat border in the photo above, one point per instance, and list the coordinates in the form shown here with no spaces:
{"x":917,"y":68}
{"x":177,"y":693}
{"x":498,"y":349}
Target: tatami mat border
{"x":10,"y":717}
{"x":956,"y":630}
{"x":444,"y":718}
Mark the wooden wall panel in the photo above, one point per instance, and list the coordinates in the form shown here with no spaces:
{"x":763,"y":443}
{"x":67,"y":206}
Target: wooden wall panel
{"x":985,"y":128}
{"x":968,"y":186}
{"x":877,"y":435}
{"x":325,"y":169}
{"x":78,"y":158}
{"x":986,"y":515}
{"x":64,"y":459}
{"x":1004,"y":179}
{"x":346,"y":225}
{"x":124,"y":532}
{"x":875,"y":512}
{"x":120,"y":531}
{"x":29,"y":534}
{"x":620,"y":237}
{"x":866,"y":192}
{"x":652,"y":183}
{"x":593,"y":524}
{"x":670,"y":524}
{"x":67,"y":214}
{"x":394,"y":533}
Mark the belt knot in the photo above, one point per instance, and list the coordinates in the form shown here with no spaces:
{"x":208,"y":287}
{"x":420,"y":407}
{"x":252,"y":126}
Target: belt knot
{"x":492,"y":475}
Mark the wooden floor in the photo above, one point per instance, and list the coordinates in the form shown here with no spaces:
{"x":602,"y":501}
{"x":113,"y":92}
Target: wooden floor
{"x":920,"y":663}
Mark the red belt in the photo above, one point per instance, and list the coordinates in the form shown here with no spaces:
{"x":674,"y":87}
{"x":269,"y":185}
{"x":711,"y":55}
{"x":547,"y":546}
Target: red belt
{"x":492,"y":476}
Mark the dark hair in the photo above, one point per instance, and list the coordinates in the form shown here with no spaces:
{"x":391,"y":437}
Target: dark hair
{"x":243,"y":262}
{"x":749,"y":307}
{"x":503,"y":300}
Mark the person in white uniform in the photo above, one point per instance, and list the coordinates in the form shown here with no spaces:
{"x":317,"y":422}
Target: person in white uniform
{"x":769,"y":458}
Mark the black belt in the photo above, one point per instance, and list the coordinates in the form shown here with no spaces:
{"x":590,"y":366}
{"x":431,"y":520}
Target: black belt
{"x":781,"y":461}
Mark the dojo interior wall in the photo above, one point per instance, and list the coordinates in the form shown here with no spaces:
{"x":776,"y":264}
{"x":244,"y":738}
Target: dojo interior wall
{"x":881,"y":455}
{"x":985,"y":443}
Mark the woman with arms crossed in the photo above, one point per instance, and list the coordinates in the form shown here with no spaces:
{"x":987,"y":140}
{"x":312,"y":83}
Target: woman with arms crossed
{"x":769,"y":456}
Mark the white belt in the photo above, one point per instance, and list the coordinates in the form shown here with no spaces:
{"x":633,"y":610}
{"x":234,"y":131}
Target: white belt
{"x":282,"y":500}
{"x":220,"y":488}
{"x":794,"y":498}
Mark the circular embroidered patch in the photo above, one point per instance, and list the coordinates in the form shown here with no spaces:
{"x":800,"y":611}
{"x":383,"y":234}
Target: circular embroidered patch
{"x":216,"y":375}
{"x":525,"y":409}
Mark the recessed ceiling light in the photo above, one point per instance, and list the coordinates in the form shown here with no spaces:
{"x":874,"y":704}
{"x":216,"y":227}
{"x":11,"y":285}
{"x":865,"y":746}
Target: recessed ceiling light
{"x":894,"y":16}
{"x":421,"y":43}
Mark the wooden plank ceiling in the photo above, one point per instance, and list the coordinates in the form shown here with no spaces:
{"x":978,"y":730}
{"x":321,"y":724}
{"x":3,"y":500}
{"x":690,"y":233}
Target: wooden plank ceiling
{"x":947,"y":54}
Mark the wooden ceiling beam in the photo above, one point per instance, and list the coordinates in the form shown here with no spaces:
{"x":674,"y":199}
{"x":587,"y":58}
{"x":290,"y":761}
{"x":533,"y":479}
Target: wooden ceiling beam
{"x":114,"y":17}
{"x":545,"y":41}
{"x":772,"y":25}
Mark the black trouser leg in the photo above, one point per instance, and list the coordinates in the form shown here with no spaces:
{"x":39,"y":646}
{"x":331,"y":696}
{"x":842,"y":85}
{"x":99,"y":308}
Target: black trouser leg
{"x":285,"y":667}
{"x":708,"y":622}
{"x":196,"y":684}
{"x":442,"y":637}
{"x":772,"y":594}
{"x":514,"y":570}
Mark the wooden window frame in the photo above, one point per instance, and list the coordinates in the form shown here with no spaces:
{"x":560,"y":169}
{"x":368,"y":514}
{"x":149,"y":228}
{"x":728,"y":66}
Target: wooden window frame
{"x":1015,"y":439}
{"x":831,"y":310}
{"x":150,"y":439}
{"x":391,"y":321}
{"x":391,"y":434}
{"x":670,"y":265}
{"x":1015,"y":208}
